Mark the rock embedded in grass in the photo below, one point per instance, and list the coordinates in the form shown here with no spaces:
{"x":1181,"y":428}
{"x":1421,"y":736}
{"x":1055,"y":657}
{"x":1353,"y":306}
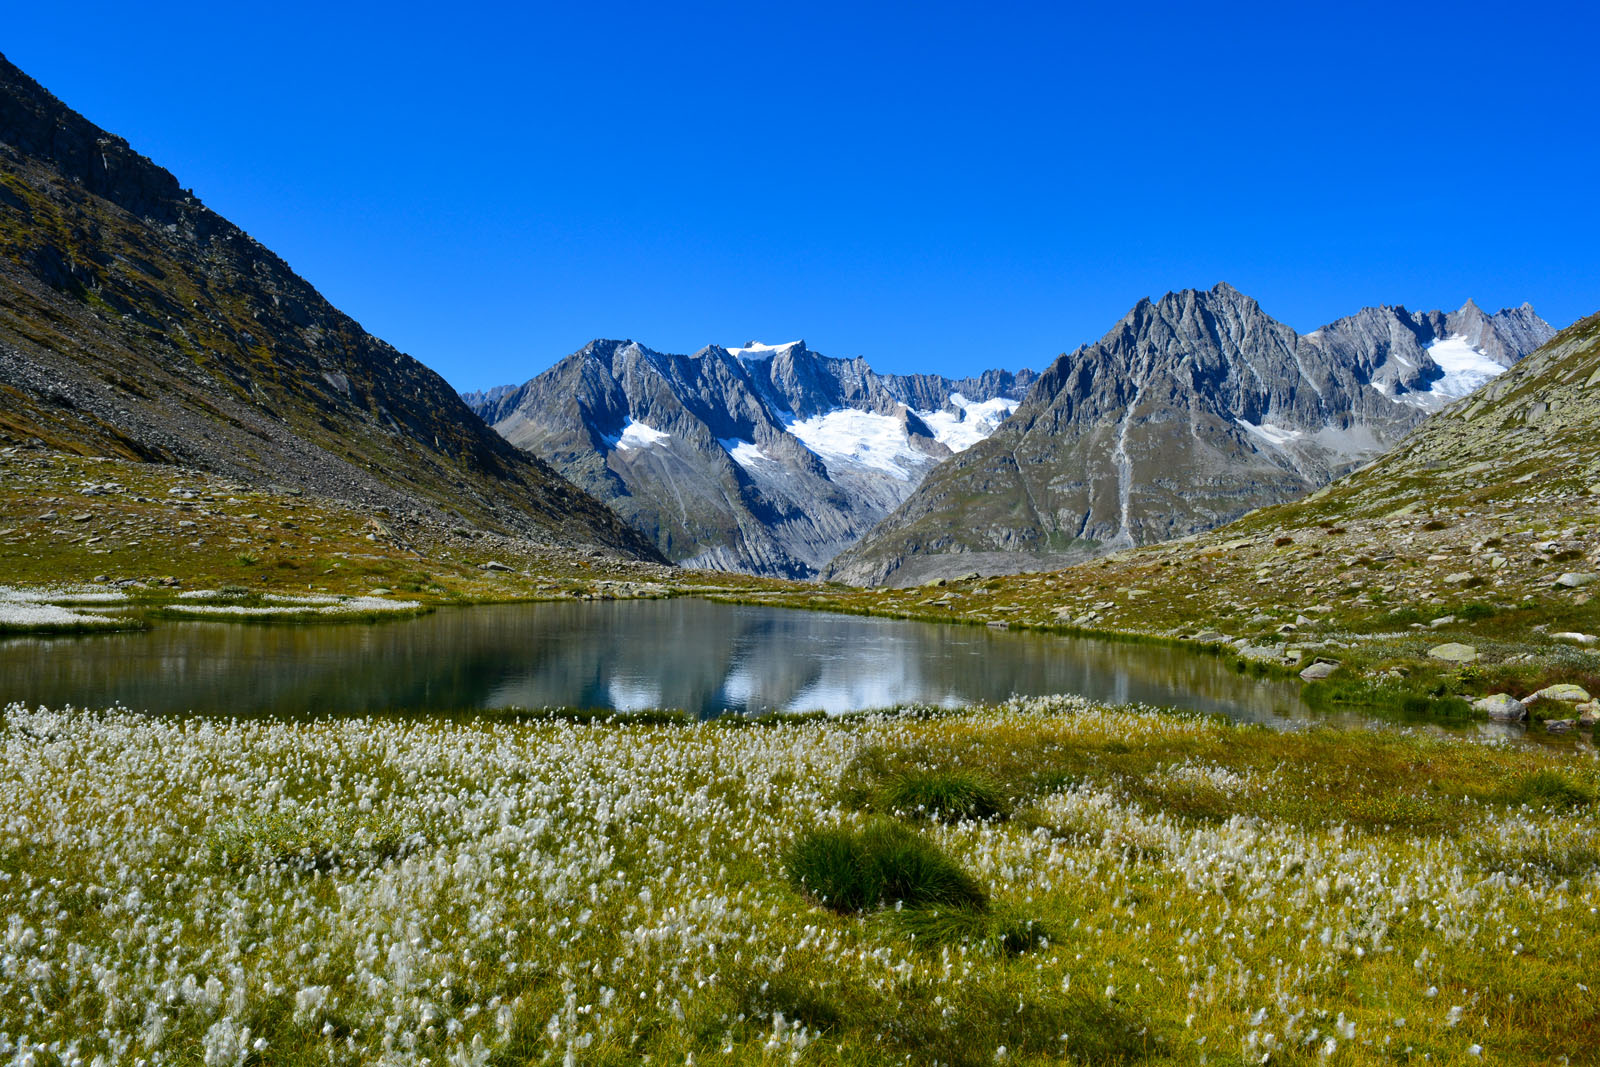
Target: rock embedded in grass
{"x":1453,"y":652}
{"x":1319,"y":670}
{"x":1502,"y":706}
{"x":1563,"y":693}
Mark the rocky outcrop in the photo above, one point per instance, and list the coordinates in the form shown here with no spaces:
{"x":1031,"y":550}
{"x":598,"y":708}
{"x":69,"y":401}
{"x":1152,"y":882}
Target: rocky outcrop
{"x":1192,"y":411}
{"x":135,"y":322}
{"x":769,"y":459}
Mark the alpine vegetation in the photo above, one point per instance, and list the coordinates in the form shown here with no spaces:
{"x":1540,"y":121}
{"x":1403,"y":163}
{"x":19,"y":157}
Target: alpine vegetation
{"x":505,"y":889}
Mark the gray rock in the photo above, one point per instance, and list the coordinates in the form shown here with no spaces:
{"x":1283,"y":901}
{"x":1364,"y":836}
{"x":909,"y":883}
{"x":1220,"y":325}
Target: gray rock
{"x":493,"y":565}
{"x":1210,"y":637}
{"x":1319,"y":670}
{"x":1575,"y":638}
{"x":1262,"y":653}
{"x":1444,"y":620}
{"x":1502,"y":706}
{"x":1454,"y":652}
{"x":1559,"y":726}
{"x":1562,"y":693}
{"x":1458,"y":578}
{"x":1577,"y":579}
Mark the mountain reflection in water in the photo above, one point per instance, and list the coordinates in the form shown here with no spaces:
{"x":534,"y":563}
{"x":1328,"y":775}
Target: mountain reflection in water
{"x":701,"y":657}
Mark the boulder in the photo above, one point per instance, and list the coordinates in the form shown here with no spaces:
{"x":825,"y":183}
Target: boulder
{"x":493,"y":565}
{"x":1588,"y":713}
{"x":1210,"y":637}
{"x":1502,"y":706}
{"x":1454,"y":652}
{"x":1559,"y":726}
{"x":1443,"y":620}
{"x":1577,"y":579}
{"x":1562,"y":693}
{"x":1575,"y":638}
{"x":1318,"y":670}
{"x":1458,"y":578}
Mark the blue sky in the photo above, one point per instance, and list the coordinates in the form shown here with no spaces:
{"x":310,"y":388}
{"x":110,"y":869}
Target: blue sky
{"x":936,"y":187}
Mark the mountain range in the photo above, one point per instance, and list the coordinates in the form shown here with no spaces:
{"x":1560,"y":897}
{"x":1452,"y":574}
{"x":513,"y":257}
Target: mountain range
{"x":137,"y":323}
{"x":768,"y":459}
{"x":1191,"y":411}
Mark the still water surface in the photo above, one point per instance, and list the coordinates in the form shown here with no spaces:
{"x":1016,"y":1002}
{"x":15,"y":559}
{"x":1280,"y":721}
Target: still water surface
{"x":705,"y":658}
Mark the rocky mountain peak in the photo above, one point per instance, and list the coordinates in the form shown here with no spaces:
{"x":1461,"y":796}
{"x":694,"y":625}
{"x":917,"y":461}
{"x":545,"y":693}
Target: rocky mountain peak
{"x":1194,"y":409}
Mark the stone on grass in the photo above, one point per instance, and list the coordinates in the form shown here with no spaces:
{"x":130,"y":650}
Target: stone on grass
{"x":1502,"y":706}
{"x":1210,"y":637}
{"x":1563,"y":693}
{"x":1454,"y":652}
{"x":1577,"y":579}
{"x":1576,"y":638}
{"x":1318,"y":670}
{"x":493,"y":565}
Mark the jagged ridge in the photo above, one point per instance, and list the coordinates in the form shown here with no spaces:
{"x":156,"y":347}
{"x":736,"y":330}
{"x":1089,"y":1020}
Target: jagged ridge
{"x":1190,"y":412}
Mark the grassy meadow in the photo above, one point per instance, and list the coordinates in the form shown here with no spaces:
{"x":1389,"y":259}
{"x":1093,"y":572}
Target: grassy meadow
{"x":1043,"y":880}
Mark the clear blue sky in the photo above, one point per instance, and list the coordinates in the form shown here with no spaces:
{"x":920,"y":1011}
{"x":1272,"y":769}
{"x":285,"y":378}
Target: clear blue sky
{"x":936,"y":187}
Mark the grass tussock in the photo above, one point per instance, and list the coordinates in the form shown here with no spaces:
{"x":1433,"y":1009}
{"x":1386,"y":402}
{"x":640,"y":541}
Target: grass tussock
{"x":301,"y":840}
{"x":856,"y":869}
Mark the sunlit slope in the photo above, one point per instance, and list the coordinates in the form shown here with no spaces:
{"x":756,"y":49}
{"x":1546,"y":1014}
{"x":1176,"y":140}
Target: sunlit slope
{"x":1531,"y":437}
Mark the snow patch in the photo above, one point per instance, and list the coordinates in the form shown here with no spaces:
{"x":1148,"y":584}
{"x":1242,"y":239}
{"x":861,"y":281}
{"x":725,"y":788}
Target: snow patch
{"x":1276,"y":436}
{"x":852,"y":438}
{"x":745,"y":453}
{"x":970,"y":423}
{"x":1466,"y":369}
{"x":755,"y":350}
{"x":636,"y":435}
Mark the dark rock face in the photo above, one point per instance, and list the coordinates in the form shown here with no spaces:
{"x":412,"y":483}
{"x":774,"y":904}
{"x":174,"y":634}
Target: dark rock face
{"x":764,"y":459}
{"x":1190,"y":412}
{"x":135,"y":322}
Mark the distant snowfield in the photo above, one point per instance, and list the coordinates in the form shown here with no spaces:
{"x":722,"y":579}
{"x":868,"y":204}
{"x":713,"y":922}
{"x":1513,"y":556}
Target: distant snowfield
{"x":1466,"y":369}
{"x":1277,"y":436}
{"x":848,"y":437}
{"x":637,"y":435}
{"x":745,"y":453}
{"x":977,"y":420}
{"x":757,"y":350}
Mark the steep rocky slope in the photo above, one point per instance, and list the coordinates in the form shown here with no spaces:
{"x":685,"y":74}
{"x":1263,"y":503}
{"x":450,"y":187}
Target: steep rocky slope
{"x":768,"y":459}
{"x":136,"y":323}
{"x":1192,"y":411}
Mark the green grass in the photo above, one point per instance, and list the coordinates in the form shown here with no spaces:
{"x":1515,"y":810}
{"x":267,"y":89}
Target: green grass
{"x":948,"y":795}
{"x":853,"y":870}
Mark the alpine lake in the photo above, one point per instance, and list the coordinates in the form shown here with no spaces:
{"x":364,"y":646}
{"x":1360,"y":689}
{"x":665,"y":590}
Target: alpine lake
{"x":695,"y":656}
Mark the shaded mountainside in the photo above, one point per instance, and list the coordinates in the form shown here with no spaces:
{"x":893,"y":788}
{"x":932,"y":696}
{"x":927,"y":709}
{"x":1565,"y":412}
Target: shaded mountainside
{"x":1192,"y":411}
{"x":769,"y":459}
{"x":137,"y":323}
